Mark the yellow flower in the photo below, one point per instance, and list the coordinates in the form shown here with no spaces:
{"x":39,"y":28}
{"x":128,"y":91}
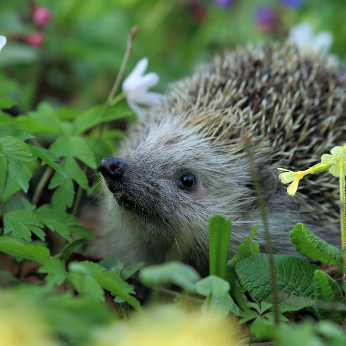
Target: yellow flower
{"x":334,"y":159}
{"x":168,"y":326}
{"x":293,"y":178}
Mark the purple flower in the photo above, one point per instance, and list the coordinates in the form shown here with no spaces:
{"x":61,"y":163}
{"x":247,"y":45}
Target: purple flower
{"x":223,"y":3}
{"x":265,"y":17}
{"x":293,"y":3}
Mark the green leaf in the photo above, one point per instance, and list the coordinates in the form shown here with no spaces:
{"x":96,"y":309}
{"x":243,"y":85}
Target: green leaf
{"x":109,"y":262}
{"x":218,"y":303}
{"x":178,"y":273}
{"x":114,"y":284}
{"x":86,"y":286}
{"x":55,"y":270}
{"x":15,"y":149}
{"x":294,"y":279}
{"x":63,"y":223}
{"x":16,"y":133}
{"x":48,"y":157}
{"x":74,"y":147}
{"x":219,"y":234}
{"x":17,"y":172}
{"x":36,"y":253}
{"x":68,"y":249}
{"x":19,"y":223}
{"x":248,"y":247}
{"x":237,"y":292}
{"x":309,"y":245}
{"x":44,"y":114}
{"x":88,"y":119}
{"x":6,"y":102}
{"x":327,"y":289}
{"x":3,"y":172}
{"x":127,"y":272}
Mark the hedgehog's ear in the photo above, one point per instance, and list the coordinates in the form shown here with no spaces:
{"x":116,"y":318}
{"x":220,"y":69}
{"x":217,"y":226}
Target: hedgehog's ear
{"x":268,"y":182}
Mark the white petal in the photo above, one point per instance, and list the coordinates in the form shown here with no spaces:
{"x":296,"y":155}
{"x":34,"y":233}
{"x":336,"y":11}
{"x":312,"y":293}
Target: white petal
{"x":136,"y":109}
{"x":322,"y":42}
{"x":147,"y":81}
{"x":148,"y":98}
{"x":136,"y":73}
{"x":301,"y":33}
{"x":2,"y":41}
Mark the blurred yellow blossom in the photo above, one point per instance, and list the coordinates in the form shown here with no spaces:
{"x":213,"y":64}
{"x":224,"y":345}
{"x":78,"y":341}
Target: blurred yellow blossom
{"x":168,"y":326}
{"x":21,"y":324}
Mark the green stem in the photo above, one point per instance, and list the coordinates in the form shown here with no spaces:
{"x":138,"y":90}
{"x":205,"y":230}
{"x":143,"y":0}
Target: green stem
{"x":117,"y":99}
{"x":342,"y":210}
{"x":79,"y":194}
{"x":267,"y":236}
{"x":41,"y":185}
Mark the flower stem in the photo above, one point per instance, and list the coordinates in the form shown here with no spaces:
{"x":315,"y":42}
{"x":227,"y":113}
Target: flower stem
{"x":342,"y":210}
{"x":130,"y":38}
{"x":267,"y":236}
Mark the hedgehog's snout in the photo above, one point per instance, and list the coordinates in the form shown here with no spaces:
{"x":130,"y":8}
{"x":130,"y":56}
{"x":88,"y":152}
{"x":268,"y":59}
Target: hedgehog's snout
{"x":112,"y":167}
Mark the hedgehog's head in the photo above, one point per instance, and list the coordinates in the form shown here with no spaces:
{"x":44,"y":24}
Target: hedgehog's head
{"x":173,"y":180}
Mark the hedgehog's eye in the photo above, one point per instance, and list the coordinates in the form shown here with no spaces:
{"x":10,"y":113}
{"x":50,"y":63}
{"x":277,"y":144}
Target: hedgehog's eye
{"x":187,"y":181}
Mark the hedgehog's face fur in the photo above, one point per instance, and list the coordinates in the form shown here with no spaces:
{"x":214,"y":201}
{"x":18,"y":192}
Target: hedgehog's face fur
{"x":150,"y":195}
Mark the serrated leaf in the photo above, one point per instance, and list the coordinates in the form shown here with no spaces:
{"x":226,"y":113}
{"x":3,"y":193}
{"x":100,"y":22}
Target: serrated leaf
{"x":15,"y":149}
{"x":36,"y":253}
{"x":178,"y":273}
{"x":127,"y":272}
{"x":109,"y":262}
{"x":64,"y":195}
{"x":69,"y":248}
{"x":92,"y":267}
{"x":80,"y":150}
{"x":236,"y":291}
{"x":44,"y":114}
{"x":16,"y":133}
{"x":88,"y":119}
{"x":67,"y":113}
{"x":20,"y":223}
{"x":3,"y":171}
{"x":19,"y":172}
{"x":219,"y":235}
{"x":55,"y":270}
{"x":218,"y":303}
{"x":248,"y":247}
{"x":327,"y":289}
{"x":311,"y":246}
{"x":6,"y":102}
{"x":294,"y":278}
{"x":48,"y":157}
{"x":33,"y":126}
{"x":62,"y":222}
{"x":114,"y":284}
{"x":12,"y":184}
{"x":86,"y":286}
{"x":74,"y":147}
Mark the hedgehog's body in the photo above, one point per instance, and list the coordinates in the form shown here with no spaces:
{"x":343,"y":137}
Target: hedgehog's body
{"x":292,"y":107}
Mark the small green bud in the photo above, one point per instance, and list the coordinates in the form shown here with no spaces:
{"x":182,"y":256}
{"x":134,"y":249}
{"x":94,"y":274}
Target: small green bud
{"x":320,"y":167}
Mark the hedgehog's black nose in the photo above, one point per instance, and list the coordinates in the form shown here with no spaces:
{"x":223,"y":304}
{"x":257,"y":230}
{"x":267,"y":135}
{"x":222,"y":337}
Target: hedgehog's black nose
{"x":112,"y":167}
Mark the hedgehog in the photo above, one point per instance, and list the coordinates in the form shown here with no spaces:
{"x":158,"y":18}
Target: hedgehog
{"x":185,"y":160}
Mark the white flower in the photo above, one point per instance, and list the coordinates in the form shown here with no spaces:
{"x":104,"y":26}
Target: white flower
{"x":303,"y":37}
{"x":2,"y":41}
{"x":136,"y":86}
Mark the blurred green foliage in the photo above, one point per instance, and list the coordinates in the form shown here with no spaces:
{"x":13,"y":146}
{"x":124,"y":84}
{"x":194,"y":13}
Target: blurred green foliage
{"x":84,"y":43}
